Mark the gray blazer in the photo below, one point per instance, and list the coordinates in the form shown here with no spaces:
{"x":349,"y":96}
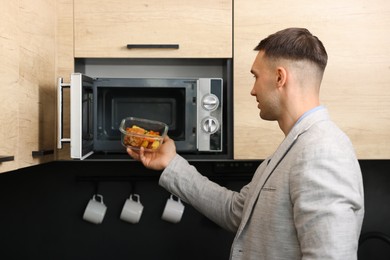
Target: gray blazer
{"x":304,"y":202}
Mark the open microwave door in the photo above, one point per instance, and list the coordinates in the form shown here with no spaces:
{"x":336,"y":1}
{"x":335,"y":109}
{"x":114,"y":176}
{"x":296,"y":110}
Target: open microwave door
{"x":81,"y":116}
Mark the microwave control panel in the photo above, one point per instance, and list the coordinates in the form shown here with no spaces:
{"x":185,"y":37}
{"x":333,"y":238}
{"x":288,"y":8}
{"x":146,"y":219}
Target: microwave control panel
{"x":209,"y":116}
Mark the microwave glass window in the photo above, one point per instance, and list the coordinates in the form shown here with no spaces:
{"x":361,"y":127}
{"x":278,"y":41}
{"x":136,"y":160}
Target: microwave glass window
{"x":87,"y":119}
{"x":87,"y":114}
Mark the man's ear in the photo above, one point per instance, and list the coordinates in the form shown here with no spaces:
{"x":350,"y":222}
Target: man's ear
{"x":281,"y":76}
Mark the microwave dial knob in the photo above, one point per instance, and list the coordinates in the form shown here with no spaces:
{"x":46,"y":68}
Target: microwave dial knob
{"x":210,"y":125}
{"x":210,"y":102}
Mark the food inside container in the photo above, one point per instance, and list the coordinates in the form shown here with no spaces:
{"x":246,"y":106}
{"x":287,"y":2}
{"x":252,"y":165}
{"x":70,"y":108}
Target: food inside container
{"x":138,"y":132}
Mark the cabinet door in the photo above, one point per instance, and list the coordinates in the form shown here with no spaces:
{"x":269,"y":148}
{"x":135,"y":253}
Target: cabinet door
{"x":36,"y":81}
{"x":356,"y":80}
{"x":27,"y":82}
{"x":9,"y":73}
{"x":201,"y":28}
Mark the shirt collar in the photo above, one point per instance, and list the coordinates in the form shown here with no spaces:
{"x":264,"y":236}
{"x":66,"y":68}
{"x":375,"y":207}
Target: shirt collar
{"x":309,"y":112}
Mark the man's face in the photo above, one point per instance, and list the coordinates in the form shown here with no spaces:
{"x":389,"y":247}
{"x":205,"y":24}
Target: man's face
{"x":265,"y":88}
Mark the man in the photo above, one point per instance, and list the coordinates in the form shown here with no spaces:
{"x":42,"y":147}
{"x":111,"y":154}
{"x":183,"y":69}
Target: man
{"x":306,"y":200}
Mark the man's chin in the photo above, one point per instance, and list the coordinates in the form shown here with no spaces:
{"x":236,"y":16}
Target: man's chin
{"x":265,"y":117}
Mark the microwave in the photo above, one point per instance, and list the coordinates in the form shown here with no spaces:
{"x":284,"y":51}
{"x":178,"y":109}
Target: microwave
{"x":193,"y":108}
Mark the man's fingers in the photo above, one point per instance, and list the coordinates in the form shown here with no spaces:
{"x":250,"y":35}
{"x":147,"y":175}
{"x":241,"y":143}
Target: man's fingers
{"x":133,"y":154}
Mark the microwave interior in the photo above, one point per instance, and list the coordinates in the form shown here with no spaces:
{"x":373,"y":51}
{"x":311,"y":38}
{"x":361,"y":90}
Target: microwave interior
{"x":166,"y":105}
{"x":167,"y":100}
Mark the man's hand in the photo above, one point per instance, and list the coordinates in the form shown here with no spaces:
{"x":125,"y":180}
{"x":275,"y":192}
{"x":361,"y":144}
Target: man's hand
{"x":157,"y":160}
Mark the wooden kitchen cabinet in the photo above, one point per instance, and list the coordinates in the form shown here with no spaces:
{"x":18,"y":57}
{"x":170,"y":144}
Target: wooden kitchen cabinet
{"x":27,"y":83}
{"x":201,"y":28}
{"x":356,"y":81}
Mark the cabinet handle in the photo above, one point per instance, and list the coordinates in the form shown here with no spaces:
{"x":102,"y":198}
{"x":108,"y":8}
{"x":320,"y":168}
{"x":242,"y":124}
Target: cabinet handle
{"x":6,"y":158}
{"x":152,"y":46}
{"x":41,"y":153}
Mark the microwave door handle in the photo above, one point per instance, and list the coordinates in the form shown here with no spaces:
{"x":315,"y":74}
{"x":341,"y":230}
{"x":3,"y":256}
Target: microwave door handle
{"x":60,"y":87}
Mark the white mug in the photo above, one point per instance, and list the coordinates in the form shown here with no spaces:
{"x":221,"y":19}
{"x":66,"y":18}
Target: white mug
{"x":132,"y":210}
{"x":95,"y":210}
{"x":173,"y":210}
